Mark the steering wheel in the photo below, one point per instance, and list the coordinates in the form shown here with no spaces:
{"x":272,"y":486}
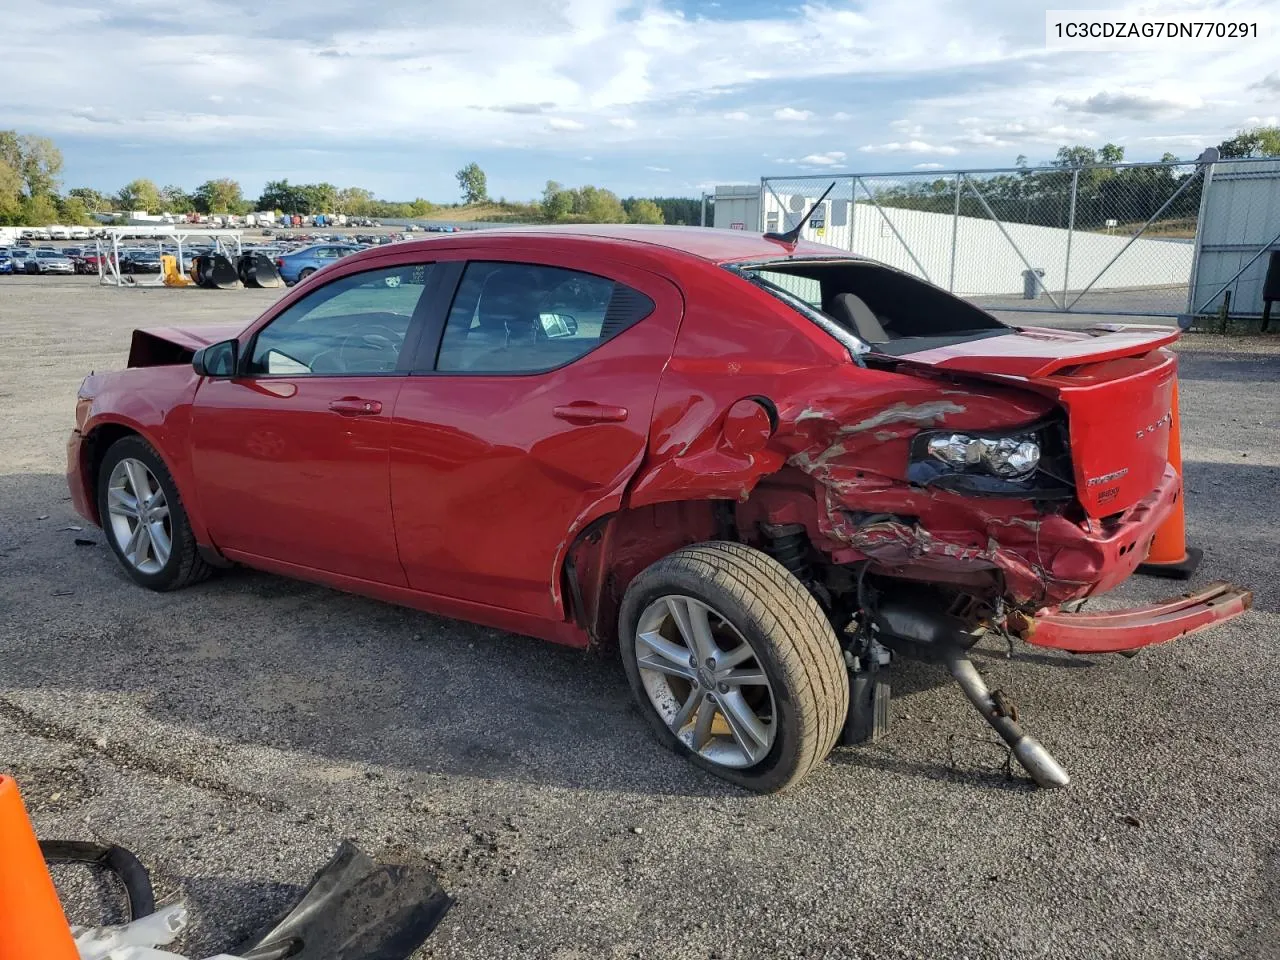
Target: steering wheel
{"x":374,"y":336}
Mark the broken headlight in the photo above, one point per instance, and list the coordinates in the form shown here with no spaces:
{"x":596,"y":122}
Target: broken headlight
{"x":1004,"y":456}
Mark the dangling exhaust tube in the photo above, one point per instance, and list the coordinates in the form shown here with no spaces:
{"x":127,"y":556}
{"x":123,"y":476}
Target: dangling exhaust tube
{"x":1035,"y":759}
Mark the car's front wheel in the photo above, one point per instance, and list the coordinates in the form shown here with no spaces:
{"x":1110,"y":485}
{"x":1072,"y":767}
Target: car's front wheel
{"x":734,"y":664}
{"x":143,"y":518}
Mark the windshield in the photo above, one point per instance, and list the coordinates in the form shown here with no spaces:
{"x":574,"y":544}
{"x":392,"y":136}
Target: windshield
{"x":881,"y":309}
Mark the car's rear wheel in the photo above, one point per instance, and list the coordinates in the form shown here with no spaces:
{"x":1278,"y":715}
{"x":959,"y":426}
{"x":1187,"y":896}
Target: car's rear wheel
{"x":304,"y":273}
{"x":734,"y":664}
{"x":143,"y":518}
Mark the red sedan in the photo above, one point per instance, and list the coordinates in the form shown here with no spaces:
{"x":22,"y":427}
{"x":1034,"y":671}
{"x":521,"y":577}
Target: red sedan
{"x":761,"y":467}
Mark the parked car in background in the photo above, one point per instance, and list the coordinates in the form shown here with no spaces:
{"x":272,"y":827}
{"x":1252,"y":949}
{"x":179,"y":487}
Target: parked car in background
{"x":297,"y":266}
{"x":6,"y":262}
{"x":142,"y":261}
{"x":50,"y":261}
{"x":19,"y":256}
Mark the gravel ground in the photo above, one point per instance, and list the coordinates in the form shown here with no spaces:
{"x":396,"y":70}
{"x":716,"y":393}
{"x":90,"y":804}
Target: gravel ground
{"x":233,"y":733}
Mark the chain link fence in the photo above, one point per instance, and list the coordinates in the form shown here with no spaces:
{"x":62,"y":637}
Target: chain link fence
{"x":1112,"y":239}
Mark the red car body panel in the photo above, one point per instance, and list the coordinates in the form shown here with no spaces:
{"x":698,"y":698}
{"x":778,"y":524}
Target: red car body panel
{"x":527,"y":502}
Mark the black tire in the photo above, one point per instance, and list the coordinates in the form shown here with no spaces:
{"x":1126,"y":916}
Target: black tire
{"x":305,"y":272}
{"x":790,"y":635}
{"x":185,"y":565}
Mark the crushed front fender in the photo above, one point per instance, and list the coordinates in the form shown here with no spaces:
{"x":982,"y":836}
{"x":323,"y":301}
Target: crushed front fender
{"x":1115,"y":631}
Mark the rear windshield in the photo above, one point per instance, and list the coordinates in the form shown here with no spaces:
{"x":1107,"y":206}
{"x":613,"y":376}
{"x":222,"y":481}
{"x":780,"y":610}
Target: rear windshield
{"x":882,"y":309}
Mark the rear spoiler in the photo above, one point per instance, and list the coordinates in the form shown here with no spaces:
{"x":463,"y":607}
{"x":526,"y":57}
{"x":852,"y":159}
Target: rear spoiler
{"x":1038,"y":352}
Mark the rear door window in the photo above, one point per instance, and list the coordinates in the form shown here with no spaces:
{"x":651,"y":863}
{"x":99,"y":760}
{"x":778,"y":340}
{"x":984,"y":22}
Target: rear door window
{"x":526,"y":318}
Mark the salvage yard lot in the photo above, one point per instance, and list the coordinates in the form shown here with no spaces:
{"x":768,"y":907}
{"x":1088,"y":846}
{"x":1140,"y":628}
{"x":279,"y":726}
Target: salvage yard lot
{"x":233,"y":733}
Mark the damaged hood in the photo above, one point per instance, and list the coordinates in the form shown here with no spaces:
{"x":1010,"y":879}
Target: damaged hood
{"x":155,"y":346}
{"x":1116,"y":384}
{"x":194,"y":336}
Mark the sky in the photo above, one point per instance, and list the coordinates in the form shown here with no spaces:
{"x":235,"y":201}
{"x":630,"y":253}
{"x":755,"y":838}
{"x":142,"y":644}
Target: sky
{"x":645,"y":97}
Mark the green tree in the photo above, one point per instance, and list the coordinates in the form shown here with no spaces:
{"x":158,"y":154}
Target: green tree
{"x":597,"y":205}
{"x":72,"y":210}
{"x":219,"y":196}
{"x":10,"y":194}
{"x":283,"y":196}
{"x":1256,"y":142}
{"x":355,"y":201}
{"x":93,"y":201}
{"x":37,"y":160}
{"x":557,"y":202}
{"x":473,"y":183}
{"x":645,"y":211}
{"x":318,"y":197}
{"x":421,"y":208}
{"x":39,"y":211}
{"x":176,"y":200}
{"x":1110,"y":153}
{"x":140,"y":195}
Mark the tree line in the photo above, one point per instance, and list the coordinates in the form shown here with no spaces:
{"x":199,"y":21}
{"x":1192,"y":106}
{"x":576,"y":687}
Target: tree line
{"x":31,"y":194}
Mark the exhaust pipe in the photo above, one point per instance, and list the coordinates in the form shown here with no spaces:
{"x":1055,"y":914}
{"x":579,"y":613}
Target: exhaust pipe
{"x":1035,"y":759}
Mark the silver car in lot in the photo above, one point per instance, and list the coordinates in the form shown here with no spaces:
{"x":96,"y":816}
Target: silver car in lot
{"x":50,"y":261}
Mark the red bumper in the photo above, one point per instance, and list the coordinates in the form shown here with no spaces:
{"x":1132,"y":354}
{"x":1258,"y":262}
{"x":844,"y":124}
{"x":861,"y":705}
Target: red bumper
{"x":77,"y":483}
{"x":1119,"y":630}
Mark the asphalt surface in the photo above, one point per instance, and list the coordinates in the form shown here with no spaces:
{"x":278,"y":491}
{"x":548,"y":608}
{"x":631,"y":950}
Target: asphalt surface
{"x":233,"y":733}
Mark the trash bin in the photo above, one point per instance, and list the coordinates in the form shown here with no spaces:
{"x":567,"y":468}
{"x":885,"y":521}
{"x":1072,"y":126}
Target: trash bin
{"x":1030,"y":285}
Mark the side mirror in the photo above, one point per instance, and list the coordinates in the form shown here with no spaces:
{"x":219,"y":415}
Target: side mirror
{"x":217,"y":359}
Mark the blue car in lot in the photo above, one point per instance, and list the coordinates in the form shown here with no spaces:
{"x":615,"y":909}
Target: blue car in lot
{"x":6,"y":262}
{"x":300,"y":264}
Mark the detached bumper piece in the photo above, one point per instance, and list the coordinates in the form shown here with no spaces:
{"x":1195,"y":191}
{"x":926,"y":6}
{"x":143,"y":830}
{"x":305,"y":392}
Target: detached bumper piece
{"x":1118,"y":631}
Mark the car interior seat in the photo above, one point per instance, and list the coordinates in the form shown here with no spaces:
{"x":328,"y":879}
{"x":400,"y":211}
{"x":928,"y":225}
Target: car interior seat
{"x":852,"y":312}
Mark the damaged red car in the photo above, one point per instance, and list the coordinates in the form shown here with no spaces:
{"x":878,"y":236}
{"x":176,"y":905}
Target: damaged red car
{"x":762,"y":468}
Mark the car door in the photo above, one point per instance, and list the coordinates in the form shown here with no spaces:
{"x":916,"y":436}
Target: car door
{"x":291,"y":456}
{"x":525,"y":423}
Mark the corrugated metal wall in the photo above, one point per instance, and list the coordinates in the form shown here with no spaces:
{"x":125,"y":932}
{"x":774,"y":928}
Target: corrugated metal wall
{"x":1239,"y":227}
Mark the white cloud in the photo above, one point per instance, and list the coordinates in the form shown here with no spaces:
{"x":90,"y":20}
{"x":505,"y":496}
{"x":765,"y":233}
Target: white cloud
{"x":1270,"y":83}
{"x":1011,"y":133}
{"x":659,"y":169}
{"x":633,"y":72}
{"x":1132,"y":104}
{"x":828,"y":159}
{"x":928,"y":166}
{"x":909,"y":146}
{"x":1268,"y":121}
{"x":1181,"y":139}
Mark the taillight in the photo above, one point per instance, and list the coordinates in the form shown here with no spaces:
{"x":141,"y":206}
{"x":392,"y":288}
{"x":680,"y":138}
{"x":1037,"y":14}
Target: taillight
{"x":280,"y":264}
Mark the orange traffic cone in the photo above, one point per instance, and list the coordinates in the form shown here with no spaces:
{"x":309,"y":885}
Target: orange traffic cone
{"x":32,"y":924}
{"x":1169,"y":555}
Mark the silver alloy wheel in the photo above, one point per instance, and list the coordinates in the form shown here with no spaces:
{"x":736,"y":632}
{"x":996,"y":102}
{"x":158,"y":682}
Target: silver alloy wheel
{"x":705,"y":681}
{"x":139,"y":516}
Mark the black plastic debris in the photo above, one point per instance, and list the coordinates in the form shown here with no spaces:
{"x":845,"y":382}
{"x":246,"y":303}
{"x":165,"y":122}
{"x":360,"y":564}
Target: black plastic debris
{"x":117,"y":860}
{"x":356,"y":909}
{"x":258,"y":270}
{"x":215,"y":271}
